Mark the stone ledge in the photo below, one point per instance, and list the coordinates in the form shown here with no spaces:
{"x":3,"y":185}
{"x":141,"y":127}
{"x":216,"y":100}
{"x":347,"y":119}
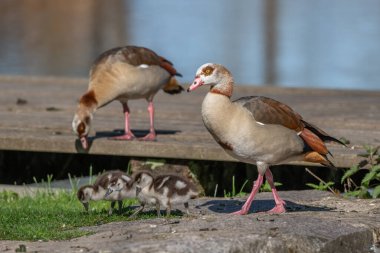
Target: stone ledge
{"x":315,"y":222}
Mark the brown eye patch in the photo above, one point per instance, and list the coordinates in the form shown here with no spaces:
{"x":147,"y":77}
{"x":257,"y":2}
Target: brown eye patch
{"x":89,"y":99}
{"x":207,"y":70}
{"x":81,"y":128}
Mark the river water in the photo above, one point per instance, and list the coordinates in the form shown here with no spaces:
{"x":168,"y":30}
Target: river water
{"x":293,"y":43}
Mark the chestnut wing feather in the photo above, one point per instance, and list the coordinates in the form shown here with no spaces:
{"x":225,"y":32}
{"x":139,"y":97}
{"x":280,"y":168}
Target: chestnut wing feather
{"x":270,"y":111}
{"x":135,"y":56}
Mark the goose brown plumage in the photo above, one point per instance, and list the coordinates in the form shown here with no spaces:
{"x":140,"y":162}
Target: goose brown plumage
{"x":258,"y":130}
{"x":122,"y":74}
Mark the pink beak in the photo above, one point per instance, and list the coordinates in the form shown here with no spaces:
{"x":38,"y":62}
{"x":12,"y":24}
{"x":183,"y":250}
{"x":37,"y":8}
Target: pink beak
{"x":196,"y":83}
{"x":84,"y":142}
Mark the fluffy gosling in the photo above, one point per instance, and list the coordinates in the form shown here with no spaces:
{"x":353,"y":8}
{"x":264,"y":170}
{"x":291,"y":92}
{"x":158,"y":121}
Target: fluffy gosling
{"x":98,"y":190}
{"x":164,"y":190}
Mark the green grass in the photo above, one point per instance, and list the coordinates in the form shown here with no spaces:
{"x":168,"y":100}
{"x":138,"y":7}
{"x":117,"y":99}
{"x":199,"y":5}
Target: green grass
{"x":52,"y":216}
{"x":369,"y":187}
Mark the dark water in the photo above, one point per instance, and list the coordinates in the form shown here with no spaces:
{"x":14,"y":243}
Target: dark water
{"x":333,"y":44}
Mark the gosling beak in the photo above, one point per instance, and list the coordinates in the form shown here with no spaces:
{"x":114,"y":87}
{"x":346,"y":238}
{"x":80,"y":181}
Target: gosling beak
{"x":109,"y":191}
{"x":85,"y":205}
{"x":138,"y":190}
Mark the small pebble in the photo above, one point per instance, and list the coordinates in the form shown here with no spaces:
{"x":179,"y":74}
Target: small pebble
{"x":21,"y":101}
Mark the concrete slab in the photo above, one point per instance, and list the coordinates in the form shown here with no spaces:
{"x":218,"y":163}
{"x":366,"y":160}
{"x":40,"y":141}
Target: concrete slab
{"x":36,"y":115}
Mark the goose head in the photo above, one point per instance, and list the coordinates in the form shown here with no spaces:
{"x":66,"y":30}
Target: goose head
{"x":81,"y":127}
{"x":211,"y":74}
{"x":84,"y":195}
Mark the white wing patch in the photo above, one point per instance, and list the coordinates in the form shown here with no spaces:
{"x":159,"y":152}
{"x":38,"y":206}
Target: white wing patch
{"x":180,"y":185}
{"x":260,"y":123}
{"x":126,"y":178}
{"x":163,"y":182}
{"x":143,"y":66}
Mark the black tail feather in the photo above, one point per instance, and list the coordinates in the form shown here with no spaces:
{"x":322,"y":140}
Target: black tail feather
{"x":329,"y":164}
{"x":322,"y":134}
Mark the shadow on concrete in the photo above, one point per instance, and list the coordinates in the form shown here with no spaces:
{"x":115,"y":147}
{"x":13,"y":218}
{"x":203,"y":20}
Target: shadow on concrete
{"x":148,"y":212}
{"x":137,"y":132}
{"x":232,"y":205}
{"x":118,"y":132}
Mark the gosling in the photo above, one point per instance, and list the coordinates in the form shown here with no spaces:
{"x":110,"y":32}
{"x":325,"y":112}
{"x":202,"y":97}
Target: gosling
{"x":98,"y":190}
{"x":164,"y":190}
{"x":127,"y":189}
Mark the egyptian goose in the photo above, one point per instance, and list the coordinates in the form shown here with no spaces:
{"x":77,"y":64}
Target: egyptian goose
{"x":164,"y":190}
{"x":98,"y":190}
{"x":122,"y":74}
{"x":257,"y":130}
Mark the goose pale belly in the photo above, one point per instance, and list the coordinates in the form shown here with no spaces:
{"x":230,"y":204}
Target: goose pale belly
{"x":236,"y":130}
{"x":123,"y":81}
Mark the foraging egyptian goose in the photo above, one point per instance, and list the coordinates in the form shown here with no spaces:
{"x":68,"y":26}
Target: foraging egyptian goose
{"x":164,"y":190}
{"x":122,"y":74}
{"x":98,"y":190}
{"x":257,"y":130}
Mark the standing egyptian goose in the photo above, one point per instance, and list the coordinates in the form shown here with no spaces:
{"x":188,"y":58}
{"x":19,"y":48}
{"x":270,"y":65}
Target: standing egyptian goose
{"x":98,"y":190}
{"x":122,"y":74}
{"x":257,"y":130}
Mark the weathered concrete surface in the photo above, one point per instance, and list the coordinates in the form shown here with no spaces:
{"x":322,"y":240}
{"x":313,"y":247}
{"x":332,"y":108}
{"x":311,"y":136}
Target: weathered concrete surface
{"x":315,"y":222}
{"x":36,"y":115}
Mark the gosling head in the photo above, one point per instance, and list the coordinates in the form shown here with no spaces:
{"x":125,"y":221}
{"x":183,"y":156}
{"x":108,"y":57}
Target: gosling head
{"x":142,"y":180}
{"x":84,"y":195}
{"x":121,"y":183}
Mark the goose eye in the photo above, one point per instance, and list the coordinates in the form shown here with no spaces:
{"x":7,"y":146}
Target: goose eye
{"x":208,"y":70}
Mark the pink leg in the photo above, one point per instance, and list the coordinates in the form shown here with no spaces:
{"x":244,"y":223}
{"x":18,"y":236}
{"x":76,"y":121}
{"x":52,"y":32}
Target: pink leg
{"x":279,"y":208}
{"x":256,"y":186}
{"x":152,"y":133}
{"x":128,"y":135}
